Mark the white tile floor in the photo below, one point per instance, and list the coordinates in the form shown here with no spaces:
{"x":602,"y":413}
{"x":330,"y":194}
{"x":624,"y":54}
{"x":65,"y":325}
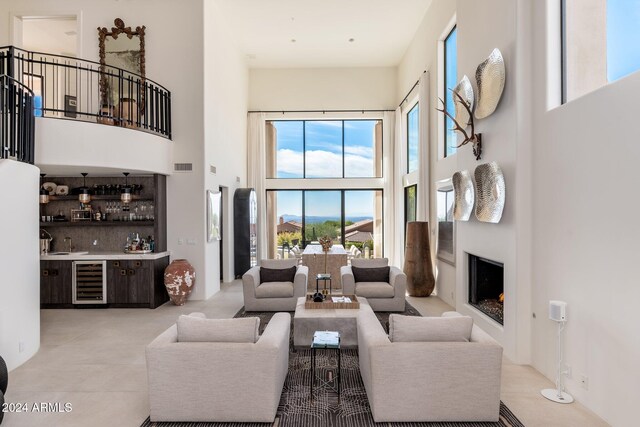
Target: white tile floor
{"x":94,"y":359}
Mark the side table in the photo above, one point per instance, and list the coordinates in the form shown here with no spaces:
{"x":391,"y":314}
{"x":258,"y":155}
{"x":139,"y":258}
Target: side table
{"x":314,"y":348}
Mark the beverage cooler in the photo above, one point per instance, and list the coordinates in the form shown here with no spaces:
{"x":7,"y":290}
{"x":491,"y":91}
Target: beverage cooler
{"x":89,"y":282}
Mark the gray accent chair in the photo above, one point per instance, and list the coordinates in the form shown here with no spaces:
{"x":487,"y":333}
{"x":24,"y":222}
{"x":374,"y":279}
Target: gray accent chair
{"x":429,"y":381}
{"x":274,"y":296}
{"x":382,"y":296}
{"x":218,"y":381}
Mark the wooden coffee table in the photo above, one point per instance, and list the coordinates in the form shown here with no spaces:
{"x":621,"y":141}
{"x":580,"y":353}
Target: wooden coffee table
{"x":307,"y":321}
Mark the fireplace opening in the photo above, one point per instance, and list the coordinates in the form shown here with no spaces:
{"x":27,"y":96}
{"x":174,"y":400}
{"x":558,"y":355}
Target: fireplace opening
{"x":486,"y":287}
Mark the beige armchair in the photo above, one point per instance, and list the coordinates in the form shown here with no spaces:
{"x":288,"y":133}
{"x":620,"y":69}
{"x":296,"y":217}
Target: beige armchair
{"x":274,"y":296}
{"x":382,"y":296}
{"x":218,"y":381}
{"x":421,"y":381}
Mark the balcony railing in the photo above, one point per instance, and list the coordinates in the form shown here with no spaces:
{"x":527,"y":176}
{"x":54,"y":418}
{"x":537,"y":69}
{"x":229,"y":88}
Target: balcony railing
{"x":16,"y":120}
{"x":77,"y":89}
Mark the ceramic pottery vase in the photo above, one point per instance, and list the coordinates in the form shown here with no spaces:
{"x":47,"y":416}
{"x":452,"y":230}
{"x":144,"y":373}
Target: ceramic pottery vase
{"x":128,"y":112}
{"x":417,"y":260}
{"x":179,"y":279}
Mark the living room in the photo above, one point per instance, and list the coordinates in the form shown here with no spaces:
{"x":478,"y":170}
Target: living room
{"x":232,"y":67}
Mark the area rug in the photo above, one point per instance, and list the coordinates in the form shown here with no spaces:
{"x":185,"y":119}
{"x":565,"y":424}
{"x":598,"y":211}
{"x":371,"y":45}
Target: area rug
{"x":297,"y":409}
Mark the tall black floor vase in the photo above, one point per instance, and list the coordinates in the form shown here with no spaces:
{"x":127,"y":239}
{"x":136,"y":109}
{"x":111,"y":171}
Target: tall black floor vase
{"x":4,"y":379}
{"x":4,"y":376}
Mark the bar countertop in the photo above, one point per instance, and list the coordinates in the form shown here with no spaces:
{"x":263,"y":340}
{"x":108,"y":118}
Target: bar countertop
{"x":100,"y":255}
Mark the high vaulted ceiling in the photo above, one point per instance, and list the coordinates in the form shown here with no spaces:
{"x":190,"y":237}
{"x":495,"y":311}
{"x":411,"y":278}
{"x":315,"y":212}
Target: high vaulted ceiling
{"x":317,"y":33}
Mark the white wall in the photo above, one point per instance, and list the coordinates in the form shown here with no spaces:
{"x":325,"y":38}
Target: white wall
{"x":226,"y":91}
{"x":19,"y":275}
{"x":67,"y":145}
{"x":482,"y":26}
{"x":585,"y":239}
{"x":322,"y":88}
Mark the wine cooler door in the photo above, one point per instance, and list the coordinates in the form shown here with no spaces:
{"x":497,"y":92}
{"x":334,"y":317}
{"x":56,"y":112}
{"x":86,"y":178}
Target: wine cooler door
{"x":90,"y":282}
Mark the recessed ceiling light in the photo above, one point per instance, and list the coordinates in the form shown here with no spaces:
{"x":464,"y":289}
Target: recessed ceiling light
{"x":351,"y":40}
{"x":293,"y":40}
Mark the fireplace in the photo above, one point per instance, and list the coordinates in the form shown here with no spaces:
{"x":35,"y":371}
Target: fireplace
{"x":486,"y":287}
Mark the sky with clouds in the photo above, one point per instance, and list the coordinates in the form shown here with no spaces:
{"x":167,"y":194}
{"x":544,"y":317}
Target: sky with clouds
{"x":323,"y":143}
{"x":323,"y":158}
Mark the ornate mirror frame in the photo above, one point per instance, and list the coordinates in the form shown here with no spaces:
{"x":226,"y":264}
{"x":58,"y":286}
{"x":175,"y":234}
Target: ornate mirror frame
{"x":116,"y":31}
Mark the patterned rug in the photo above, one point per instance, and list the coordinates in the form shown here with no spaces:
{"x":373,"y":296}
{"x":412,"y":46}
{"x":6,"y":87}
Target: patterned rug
{"x":297,"y":409}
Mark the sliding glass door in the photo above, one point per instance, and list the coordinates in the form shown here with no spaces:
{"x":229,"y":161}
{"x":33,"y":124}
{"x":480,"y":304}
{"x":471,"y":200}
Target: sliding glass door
{"x":301,"y":217}
{"x":322,"y":216}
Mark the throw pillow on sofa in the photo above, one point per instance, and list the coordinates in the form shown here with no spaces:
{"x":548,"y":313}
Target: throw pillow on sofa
{"x":377,"y":274}
{"x":197,"y":329}
{"x":277,"y":274}
{"x":430,"y":329}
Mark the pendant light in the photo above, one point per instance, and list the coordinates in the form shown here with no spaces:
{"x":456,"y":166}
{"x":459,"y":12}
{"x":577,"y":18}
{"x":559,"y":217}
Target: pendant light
{"x":44,"y":193}
{"x":125,"y":194}
{"x":84,"y":196}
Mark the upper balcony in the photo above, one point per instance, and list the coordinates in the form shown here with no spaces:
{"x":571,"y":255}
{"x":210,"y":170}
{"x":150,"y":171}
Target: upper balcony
{"x":111,"y":119}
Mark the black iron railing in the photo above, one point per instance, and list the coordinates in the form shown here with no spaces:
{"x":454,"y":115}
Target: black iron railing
{"x":16,"y":120}
{"x":77,"y":89}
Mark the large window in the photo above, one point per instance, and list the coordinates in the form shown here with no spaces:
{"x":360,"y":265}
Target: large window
{"x":413,"y":138}
{"x":301,"y":217}
{"x":324,"y":149}
{"x":450,"y":81}
{"x":600,"y":40}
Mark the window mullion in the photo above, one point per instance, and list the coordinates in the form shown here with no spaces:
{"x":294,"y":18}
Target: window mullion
{"x":304,"y":149}
{"x":343,"y":150}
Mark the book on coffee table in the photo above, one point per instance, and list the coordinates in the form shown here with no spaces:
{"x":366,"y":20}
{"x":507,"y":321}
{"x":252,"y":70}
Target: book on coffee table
{"x":326,"y":339}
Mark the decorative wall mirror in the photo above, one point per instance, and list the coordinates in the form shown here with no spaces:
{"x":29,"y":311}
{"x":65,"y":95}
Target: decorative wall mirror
{"x":122,"y":88}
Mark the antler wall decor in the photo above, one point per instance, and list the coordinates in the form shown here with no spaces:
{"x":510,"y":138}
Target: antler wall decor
{"x":471,"y":137}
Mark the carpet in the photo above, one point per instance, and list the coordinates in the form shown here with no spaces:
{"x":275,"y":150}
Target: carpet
{"x":296,"y":409}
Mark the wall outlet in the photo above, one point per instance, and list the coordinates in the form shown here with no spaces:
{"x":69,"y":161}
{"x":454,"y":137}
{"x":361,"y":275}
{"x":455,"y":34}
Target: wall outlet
{"x":95,"y":242}
{"x":181,"y":241}
{"x":567,"y":371}
{"x":20,"y":346}
{"x":191,"y":241}
{"x":584,"y":381}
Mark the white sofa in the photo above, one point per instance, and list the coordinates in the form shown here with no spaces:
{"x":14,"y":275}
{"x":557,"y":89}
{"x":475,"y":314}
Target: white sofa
{"x":382,"y":296}
{"x":274,"y":296}
{"x":429,"y":381}
{"x":218,"y":381}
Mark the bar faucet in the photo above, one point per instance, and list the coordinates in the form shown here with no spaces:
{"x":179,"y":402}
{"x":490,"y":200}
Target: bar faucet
{"x":69,"y":240}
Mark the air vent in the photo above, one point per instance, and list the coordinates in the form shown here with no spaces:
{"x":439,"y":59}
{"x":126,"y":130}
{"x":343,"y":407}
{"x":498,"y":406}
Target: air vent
{"x":212,"y":169}
{"x":183,"y":167}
